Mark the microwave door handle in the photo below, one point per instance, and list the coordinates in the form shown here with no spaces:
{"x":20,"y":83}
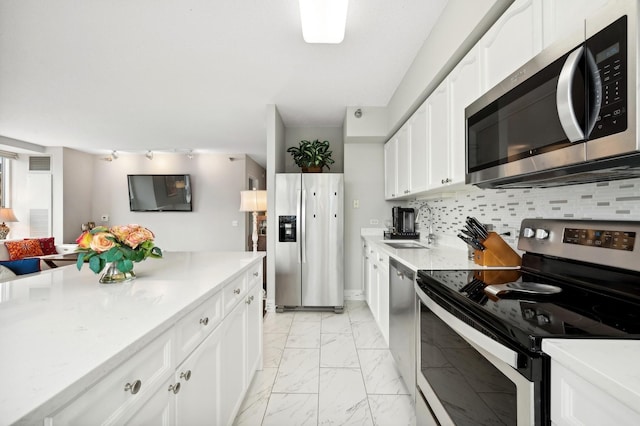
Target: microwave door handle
{"x":563,"y":97}
{"x":595,"y":98}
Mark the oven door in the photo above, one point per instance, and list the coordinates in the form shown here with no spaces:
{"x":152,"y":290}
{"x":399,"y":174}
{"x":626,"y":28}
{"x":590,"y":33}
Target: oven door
{"x":465,"y":377}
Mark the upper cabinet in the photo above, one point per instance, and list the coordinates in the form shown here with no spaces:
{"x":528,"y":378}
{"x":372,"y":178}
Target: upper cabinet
{"x":390,"y":168}
{"x":514,"y":39}
{"x":403,"y":160}
{"x":561,"y":18}
{"x":438,"y":135}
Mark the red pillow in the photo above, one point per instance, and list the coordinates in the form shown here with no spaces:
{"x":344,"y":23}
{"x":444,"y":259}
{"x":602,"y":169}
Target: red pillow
{"x":48,"y":245}
{"x":20,"y":249}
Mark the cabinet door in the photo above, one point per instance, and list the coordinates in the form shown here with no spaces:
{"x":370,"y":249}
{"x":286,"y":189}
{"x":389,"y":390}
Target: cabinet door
{"x":514,"y":39}
{"x":365,"y":274}
{"x":438,"y":135}
{"x":200,"y":379}
{"x":254,"y":331}
{"x":375,"y":297}
{"x":383,"y":293}
{"x":561,"y":18}
{"x":465,"y":86}
{"x":403,"y":165}
{"x":390,"y":167}
{"x":418,"y":179}
{"x":234,"y":361}
{"x":158,"y":411}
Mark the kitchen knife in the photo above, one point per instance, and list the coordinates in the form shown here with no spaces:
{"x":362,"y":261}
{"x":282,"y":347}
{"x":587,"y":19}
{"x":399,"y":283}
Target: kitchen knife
{"x":471,"y":231}
{"x":472,"y":242}
{"x":478,"y":227}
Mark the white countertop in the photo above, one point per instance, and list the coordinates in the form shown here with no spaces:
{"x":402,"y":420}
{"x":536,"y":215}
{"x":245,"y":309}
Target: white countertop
{"x":608,"y":364}
{"x":435,"y":257}
{"x":60,"y":330}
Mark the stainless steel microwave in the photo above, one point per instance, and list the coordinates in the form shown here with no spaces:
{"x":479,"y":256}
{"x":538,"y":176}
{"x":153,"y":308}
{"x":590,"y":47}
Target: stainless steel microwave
{"x":568,"y":116}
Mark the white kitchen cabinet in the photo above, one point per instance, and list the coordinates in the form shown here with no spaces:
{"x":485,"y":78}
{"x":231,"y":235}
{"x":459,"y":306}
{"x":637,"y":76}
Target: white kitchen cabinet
{"x":514,"y":39}
{"x":373,"y":298}
{"x":199,"y":377}
{"x":234,"y":360}
{"x":403,"y":161}
{"x":382,"y":262}
{"x":418,"y":155}
{"x":437,"y":106}
{"x":576,"y":401}
{"x":465,"y":86}
{"x":254,"y":329}
{"x":561,"y":18}
{"x":390,"y":168}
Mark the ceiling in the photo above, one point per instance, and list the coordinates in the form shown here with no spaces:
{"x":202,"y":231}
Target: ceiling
{"x":134,"y":75}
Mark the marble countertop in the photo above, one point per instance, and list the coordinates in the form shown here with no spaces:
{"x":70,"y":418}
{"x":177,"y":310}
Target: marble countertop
{"x":436,"y":257}
{"x":607,"y":364}
{"x":61,"y":330}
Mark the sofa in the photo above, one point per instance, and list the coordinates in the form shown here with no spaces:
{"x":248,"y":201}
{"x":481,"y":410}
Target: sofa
{"x":27,"y":256}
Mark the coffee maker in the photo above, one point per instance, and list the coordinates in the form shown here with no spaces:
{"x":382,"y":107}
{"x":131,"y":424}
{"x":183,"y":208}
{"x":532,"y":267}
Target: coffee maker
{"x":404,"y":224}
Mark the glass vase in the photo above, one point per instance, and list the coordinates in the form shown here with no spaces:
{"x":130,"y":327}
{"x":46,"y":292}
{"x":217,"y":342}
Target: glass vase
{"x":112,"y":275}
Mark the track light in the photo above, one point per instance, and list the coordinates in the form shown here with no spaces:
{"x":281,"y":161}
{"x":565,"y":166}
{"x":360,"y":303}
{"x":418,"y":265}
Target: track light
{"x":114,"y":155}
{"x":190,"y":154}
{"x":149,"y":155}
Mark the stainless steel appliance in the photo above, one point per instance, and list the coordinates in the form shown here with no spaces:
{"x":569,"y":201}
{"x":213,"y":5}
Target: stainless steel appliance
{"x":402,"y":317}
{"x":310,"y":249}
{"x":404,"y":224}
{"x":567,"y":116}
{"x":480,"y":358}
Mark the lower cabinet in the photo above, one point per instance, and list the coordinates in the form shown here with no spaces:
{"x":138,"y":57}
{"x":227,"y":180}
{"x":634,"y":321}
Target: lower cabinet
{"x":376,"y":285}
{"x":163,"y":385}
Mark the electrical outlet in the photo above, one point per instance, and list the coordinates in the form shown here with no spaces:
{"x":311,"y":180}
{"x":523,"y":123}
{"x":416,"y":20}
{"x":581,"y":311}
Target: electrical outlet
{"x":234,"y":223}
{"x":104,"y":218}
{"x":374,"y":221}
{"x":356,"y":204}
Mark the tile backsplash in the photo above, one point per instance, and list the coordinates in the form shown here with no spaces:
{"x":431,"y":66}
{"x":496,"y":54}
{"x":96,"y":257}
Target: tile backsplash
{"x":505,"y":208}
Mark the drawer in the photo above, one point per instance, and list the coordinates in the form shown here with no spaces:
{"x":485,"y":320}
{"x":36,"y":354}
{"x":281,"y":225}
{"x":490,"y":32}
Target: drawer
{"x":254,"y":274}
{"x":234,"y":292}
{"x":196,"y":326}
{"x":122,"y":392}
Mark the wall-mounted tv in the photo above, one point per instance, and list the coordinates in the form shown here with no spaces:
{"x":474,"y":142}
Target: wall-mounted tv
{"x":160,"y":193}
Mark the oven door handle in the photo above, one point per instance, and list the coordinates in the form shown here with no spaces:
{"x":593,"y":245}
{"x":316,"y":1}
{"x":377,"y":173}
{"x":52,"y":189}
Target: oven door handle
{"x":564,"y":101}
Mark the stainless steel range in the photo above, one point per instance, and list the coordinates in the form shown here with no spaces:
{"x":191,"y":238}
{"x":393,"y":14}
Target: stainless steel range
{"x":479,"y":356}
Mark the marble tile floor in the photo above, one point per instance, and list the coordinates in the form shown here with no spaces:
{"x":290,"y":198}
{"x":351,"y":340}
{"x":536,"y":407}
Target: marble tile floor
{"x":322,"y":368}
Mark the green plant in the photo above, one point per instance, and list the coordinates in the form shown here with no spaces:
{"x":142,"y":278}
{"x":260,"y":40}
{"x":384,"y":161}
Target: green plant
{"x":310,"y":154}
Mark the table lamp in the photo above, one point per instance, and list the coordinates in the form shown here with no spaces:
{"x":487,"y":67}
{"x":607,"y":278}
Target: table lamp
{"x":253,"y":201}
{"x":6,"y":215}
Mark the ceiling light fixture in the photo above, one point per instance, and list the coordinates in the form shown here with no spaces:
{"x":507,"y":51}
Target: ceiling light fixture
{"x":323,"y":21}
{"x":149,"y":155}
{"x":114,"y":155}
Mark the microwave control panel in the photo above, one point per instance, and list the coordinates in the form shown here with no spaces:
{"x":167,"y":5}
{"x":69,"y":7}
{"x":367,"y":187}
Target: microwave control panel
{"x":609,"y":50}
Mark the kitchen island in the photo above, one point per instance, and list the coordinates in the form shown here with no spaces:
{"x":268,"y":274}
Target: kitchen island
{"x":66,"y":338}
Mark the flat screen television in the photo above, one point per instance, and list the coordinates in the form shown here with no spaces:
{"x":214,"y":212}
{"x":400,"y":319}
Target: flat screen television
{"x":160,"y":193}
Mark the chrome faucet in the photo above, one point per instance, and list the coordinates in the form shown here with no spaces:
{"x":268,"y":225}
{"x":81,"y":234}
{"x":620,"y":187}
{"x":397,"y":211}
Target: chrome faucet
{"x":431,"y":237}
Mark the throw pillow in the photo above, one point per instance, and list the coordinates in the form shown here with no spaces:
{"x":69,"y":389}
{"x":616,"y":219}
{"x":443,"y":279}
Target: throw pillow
{"x":21,"y":249}
{"x":47,"y":245}
{"x":6,"y":274}
{"x":22,"y":266}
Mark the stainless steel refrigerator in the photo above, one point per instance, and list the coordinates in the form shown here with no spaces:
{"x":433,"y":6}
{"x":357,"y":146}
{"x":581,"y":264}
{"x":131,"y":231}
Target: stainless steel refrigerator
{"x":309,"y":245}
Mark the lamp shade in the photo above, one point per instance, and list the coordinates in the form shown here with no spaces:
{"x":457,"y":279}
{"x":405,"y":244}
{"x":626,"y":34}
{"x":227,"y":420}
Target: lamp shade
{"x":253,"y":201}
{"x":7,"y":215}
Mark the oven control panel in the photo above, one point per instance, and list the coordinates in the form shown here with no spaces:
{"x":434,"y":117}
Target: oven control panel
{"x":617,"y":240}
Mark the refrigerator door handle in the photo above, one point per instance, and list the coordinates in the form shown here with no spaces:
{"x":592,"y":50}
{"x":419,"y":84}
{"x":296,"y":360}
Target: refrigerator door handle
{"x":303,"y":221}
{"x":298,"y":224}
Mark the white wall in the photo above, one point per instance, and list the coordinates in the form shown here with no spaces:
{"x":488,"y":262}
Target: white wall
{"x":77,"y":183}
{"x":216,"y":185}
{"x":275,"y":164}
{"x":363,"y":181}
{"x":293,"y":136}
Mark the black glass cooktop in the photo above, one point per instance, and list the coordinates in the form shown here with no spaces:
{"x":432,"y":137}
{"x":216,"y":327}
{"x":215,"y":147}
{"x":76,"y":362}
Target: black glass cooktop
{"x":577,"y":300}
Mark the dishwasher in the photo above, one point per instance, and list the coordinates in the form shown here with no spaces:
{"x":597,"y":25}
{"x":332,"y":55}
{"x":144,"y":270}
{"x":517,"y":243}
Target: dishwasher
{"x":402,"y":317}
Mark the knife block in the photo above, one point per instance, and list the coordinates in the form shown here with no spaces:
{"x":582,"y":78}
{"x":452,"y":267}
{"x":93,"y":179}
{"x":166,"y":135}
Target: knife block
{"x":496,"y":253}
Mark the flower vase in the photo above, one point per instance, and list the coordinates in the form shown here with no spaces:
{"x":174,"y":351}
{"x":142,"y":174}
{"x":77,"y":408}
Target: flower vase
{"x":112,"y":275}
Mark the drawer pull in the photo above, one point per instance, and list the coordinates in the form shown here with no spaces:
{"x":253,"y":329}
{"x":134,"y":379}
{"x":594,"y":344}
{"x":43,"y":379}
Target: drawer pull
{"x":133,"y":388}
{"x":174,"y":388}
{"x":236,"y":291}
{"x":186,"y":375}
{"x":249,"y":300}
{"x":204,"y":321}
{"x":255,"y":274}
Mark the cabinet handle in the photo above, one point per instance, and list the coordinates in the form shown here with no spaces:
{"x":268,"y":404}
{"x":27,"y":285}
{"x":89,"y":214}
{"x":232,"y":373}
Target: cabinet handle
{"x":375,"y":266}
{"x":236,"y":291}
{"x":185,"y":375}
{"x":441,"y":180}
{"x":174,"y":388}
{"x":133,"y":388}
{"x":204,"y":321}
{"x":255,"y":274}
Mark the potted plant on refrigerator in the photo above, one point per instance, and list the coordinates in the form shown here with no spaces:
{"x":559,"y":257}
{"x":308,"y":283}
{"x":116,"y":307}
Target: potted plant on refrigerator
{"x":312,"y":156}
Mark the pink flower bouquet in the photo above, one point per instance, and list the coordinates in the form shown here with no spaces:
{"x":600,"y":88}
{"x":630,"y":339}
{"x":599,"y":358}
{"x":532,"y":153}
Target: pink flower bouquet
{"x":123,"y":244}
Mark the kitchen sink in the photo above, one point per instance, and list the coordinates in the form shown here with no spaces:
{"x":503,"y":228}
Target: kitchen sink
{"x":405,"y":245}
